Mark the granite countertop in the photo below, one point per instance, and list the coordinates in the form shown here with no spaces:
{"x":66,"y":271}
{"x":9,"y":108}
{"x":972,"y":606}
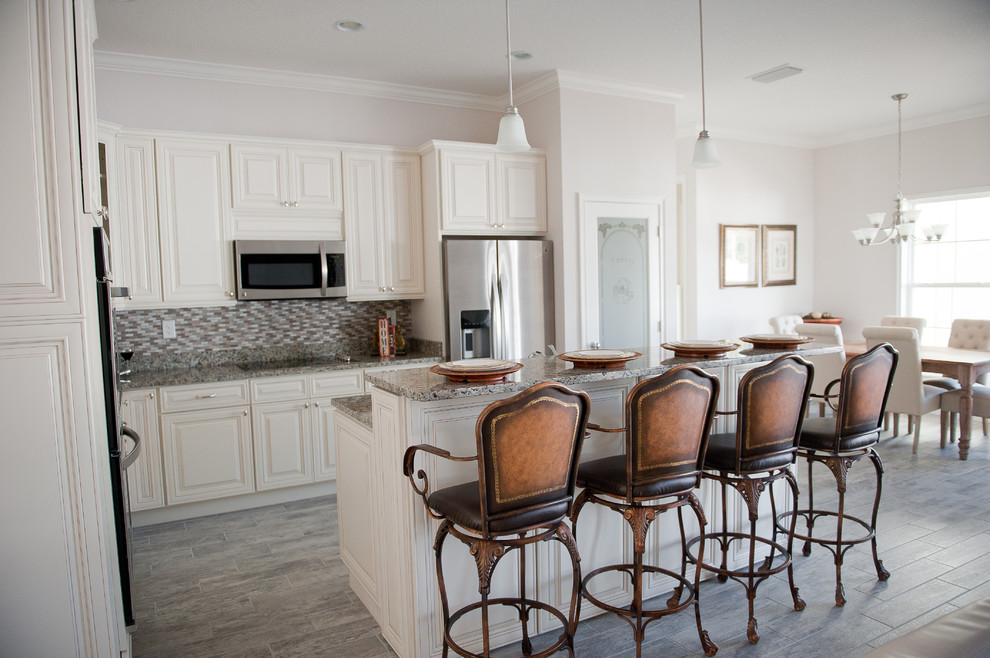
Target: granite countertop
{"x":232,"y":371}
{"x":357,"y":407}
{"x":422,"y":385}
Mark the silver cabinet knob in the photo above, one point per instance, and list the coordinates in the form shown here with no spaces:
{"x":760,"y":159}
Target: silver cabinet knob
{"x":295,"y":204}
{"x":245,"y":412}
{"x":306,"y":406}
{"x":285,"y":204}
{"x":391,"y":288}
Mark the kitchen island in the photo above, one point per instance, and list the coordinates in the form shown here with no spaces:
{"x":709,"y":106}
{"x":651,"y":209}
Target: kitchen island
{"x":387,"y":538}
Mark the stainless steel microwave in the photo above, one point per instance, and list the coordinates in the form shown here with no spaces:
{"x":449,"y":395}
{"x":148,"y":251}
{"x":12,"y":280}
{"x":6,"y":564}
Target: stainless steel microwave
{"x":289,"y":269}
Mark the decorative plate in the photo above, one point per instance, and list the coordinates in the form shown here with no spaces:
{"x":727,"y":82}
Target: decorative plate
{"x":476,"y":370}
{"x":599,"y":358}
{"x":699,"y":348}
{"x":776,"y":341}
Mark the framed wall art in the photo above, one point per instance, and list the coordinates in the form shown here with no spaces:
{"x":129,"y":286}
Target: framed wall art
{"x":779,"y":254}
{"x":739,"y":256}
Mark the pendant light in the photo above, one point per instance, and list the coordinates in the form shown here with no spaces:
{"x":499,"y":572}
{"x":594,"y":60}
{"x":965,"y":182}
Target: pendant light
{"x":704,"y":149}
{"x":511,"y":131}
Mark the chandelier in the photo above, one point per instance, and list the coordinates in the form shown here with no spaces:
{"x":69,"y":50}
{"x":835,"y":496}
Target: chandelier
{"x":705,"y":154}
{"x":511,"y":131}
{"x":903,"y":221}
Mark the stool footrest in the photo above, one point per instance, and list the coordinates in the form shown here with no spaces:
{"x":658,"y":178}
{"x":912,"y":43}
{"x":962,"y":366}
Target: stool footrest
{"x":683,"y":585}
{"x":515,"y":603}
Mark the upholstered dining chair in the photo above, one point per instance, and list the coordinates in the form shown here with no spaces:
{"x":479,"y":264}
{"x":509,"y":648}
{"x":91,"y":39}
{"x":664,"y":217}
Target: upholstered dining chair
{"x":839,"y":443}
{"x":529,"y":446}
{"x":785,"y":324}
{"x":770,"y":406}
{"x":827,"y":366}
{"x":908,"y":394}
{"x":904,"y":321}
{"x":668,"y":419}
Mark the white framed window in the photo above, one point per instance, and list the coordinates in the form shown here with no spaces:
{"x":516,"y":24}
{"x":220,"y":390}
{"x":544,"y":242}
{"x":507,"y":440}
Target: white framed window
{"x":949,"y":279}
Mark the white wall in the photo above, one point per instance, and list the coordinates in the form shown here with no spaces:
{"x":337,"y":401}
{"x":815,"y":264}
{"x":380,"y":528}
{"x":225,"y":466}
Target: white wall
{"x":860,"y":283}
{"x":160,"y":102}
{"x":616,"y":148}
{"x":756,"y":184}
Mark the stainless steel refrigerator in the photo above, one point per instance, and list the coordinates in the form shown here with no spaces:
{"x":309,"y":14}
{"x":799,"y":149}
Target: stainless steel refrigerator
{"x":498,"y":297}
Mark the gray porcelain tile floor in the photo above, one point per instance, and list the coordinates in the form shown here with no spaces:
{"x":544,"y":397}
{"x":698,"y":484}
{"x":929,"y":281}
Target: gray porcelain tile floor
{"x":269,"y":581}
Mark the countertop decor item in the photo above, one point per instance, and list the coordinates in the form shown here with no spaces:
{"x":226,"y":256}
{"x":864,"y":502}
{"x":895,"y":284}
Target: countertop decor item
{"x":699,"y":347}
{"x":776,"y":341}
{"x":599,"y":358}
{"x":476,"y":370}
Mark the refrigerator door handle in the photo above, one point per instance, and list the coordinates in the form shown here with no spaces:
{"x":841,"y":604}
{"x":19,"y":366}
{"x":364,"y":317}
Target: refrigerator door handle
{"x":495,"y":295}
{"x":131,"y":456}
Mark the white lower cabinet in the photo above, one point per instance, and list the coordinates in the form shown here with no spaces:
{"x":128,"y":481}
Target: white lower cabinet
{"x":283,"y":444}
{"x":207,"y":454}
{"x":145,"y":487}
{"x":229,"y":438}
{"x":358,"y":512}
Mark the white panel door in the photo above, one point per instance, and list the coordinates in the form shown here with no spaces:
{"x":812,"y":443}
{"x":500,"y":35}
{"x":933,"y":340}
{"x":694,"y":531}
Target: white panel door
{"x":207,"y":454}
{"x":194,"y":217}
{"x":283,"y":444}
{"x":145,"y":488}
{"x":315,"y":182}
{"x":467,"y":188}
{"x":363,"y":215}
{"x":522,"y":193}
{"x":136,"y":218}
{"x":258,"y":176}
{"x":324,"y":440}
{"x":403,"y":226}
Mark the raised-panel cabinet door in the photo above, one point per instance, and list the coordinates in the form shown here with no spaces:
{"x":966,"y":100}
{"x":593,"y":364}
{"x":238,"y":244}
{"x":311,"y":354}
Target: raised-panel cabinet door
{"x":207,"y":454}
{"x":139,"y":411}
{"x":315,"y":180}
{"x":358,"y":513}
{"x":283,"y":444}
{"x":522,"y":193}
{"x":259,"y":177}
{"x":136,"y":218}
{"x":468,"y":191}
{"x":404,"y":226}
{"x":363,"y":215}
{"x":194,"y":216}
{"x":324,"y":440}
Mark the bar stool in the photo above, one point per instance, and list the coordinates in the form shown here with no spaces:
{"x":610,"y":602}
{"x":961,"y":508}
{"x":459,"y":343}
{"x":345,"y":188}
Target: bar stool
{"x":839,"y":443}
{"x":528,"y":451}
{"x":668,"y":421}
{"x":771,"y":404}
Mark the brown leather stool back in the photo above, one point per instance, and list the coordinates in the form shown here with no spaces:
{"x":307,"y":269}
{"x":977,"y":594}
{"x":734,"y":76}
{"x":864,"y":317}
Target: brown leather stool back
{"x":772,"y":400}
{"x":669,"y":420}
{"x":863,"y":390}
{"x":529,"y":447}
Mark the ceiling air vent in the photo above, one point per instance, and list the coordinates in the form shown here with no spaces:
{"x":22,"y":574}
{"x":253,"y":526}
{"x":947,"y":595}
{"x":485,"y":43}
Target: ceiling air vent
{"x":776,"y":73}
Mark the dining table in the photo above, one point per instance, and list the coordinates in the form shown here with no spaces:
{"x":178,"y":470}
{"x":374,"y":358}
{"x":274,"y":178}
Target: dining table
{"x":963,"y":365}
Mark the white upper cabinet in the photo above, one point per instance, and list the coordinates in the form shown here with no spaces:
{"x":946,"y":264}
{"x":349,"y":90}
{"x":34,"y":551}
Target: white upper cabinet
{"x":193,"y":213}
{"x":483,"y":192}
{"x":134,"y":220}
{"x":282,"y":192}
{"x":383,"y":213}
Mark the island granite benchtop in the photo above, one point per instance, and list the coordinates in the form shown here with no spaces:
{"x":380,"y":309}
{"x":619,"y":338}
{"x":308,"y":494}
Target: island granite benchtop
{"x":424,"y":386}
{"x":205,"y":374}
{"x":357,"y":407}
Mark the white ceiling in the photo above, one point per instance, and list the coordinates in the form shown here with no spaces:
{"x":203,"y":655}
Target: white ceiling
{"x":855,"y":53}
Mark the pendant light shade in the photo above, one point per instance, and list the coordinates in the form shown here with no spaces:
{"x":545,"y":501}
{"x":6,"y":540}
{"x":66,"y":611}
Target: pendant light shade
{"x":704,"y":149}
{"x":705,"y":154}
{"x":511,"y":131}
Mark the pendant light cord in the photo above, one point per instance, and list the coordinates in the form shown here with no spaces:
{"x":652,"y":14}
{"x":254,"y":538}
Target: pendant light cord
{"x":900,"y":98}
{"x":508,"y":51}
{"x":701,"y":30}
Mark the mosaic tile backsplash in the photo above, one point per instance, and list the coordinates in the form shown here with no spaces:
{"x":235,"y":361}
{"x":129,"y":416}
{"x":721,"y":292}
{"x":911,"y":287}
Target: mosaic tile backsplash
{"x":256,"y":330}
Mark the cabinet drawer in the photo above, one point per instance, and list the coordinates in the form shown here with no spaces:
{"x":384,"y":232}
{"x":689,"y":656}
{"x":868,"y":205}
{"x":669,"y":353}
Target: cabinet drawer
{"x":278,"y":389}
{"x":204,"y":396}
{"x":335,"y":384}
